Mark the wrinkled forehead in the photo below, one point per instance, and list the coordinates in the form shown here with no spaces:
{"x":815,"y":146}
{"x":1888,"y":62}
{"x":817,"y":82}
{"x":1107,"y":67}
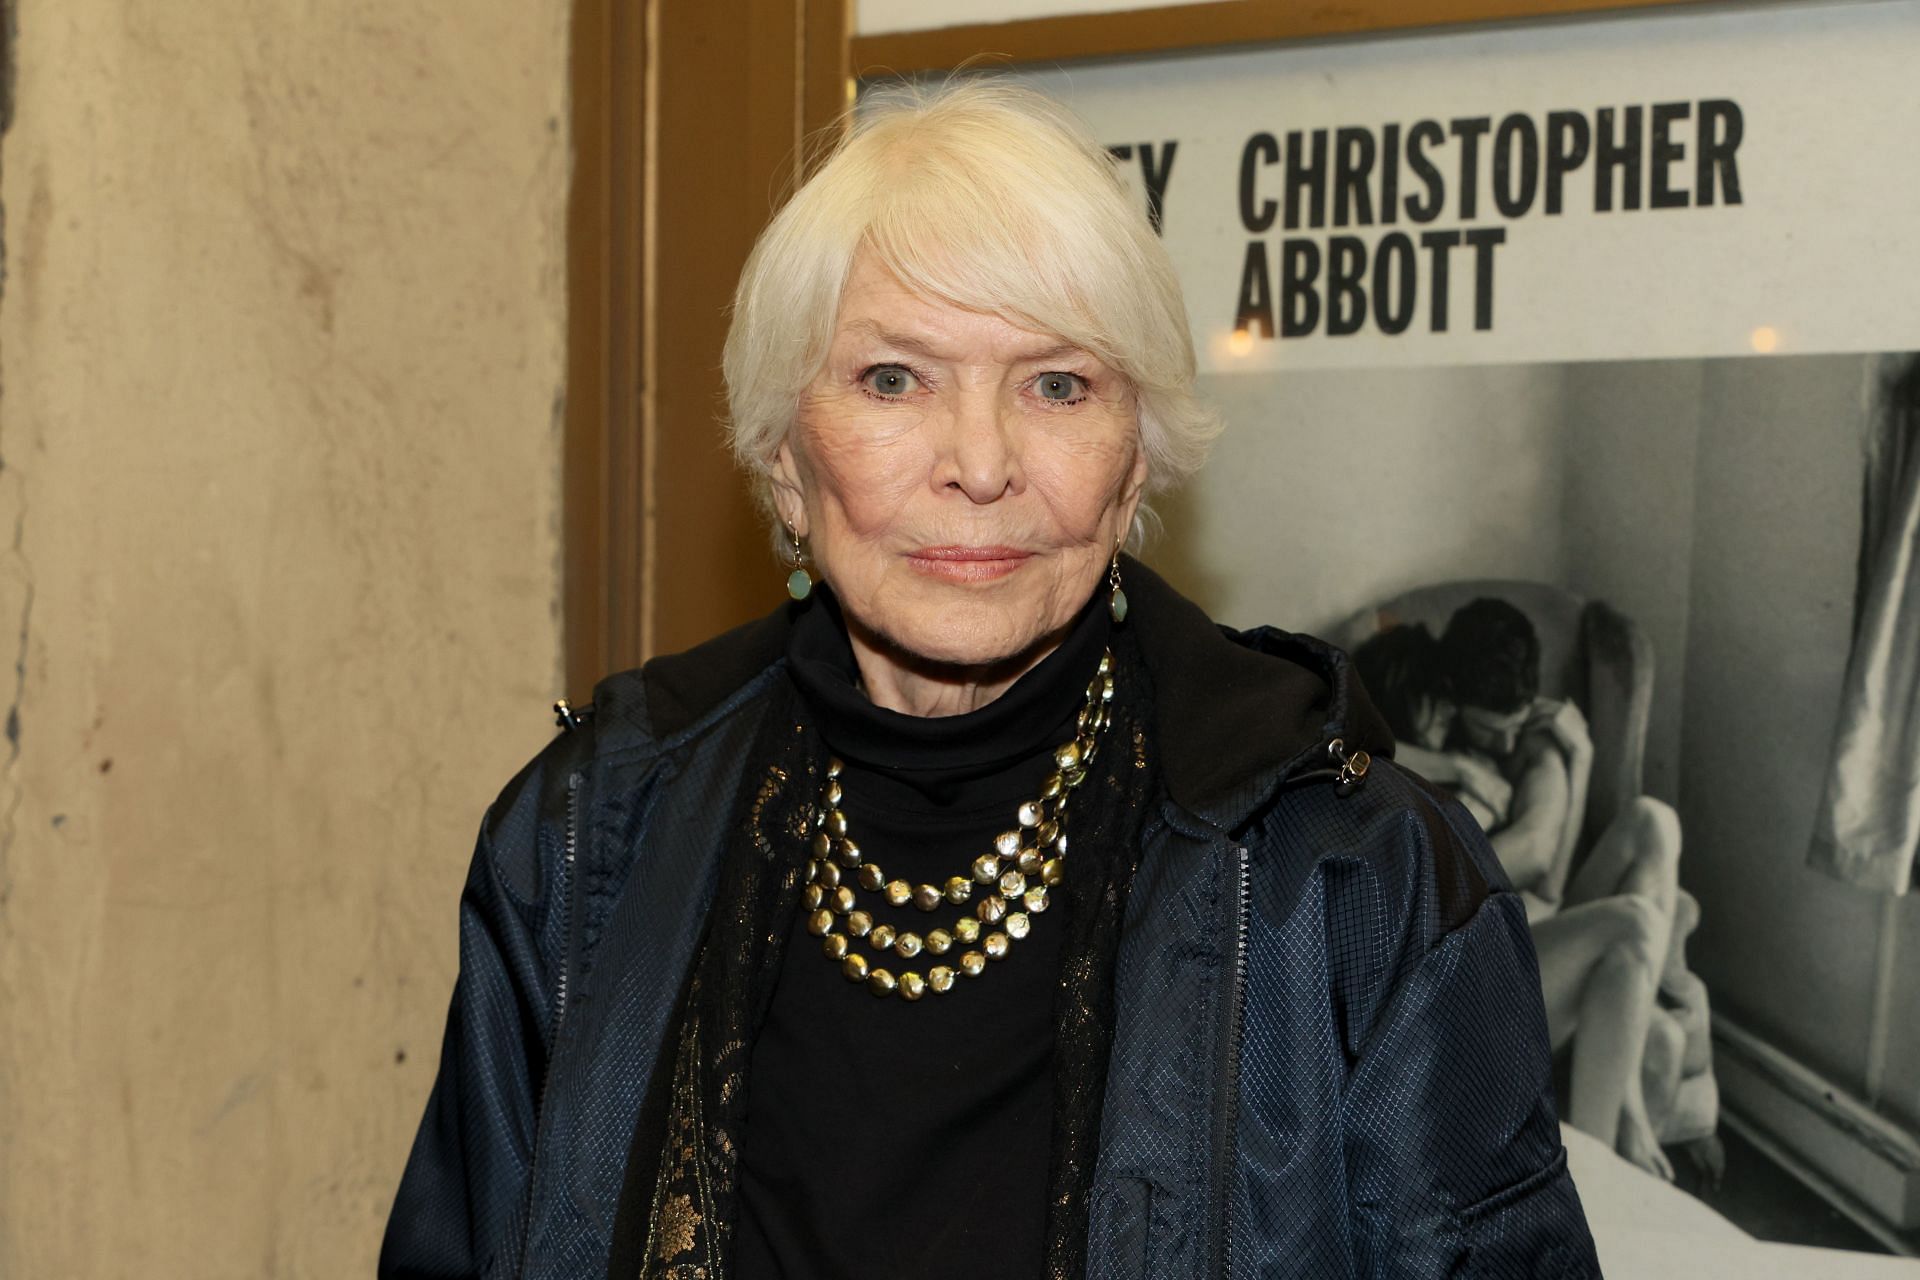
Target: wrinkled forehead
{"x":1022,"y":267}
{"x":878,"y":309}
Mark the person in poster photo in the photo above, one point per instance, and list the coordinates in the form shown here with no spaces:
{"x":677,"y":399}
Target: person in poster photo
{"x":1171,"y":970}
{"x":1466,"y":711}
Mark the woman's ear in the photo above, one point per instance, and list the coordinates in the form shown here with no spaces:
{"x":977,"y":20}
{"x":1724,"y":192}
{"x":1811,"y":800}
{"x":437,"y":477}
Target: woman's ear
{"x":789,"y":498}
{"x":1130,"y":496}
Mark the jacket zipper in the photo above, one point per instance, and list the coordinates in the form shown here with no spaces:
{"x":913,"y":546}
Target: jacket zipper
{"x":566,"y":907}
{"x":1227,"y":1091}
{"x":1227,"y":1088}
{"x":559,"y":1002}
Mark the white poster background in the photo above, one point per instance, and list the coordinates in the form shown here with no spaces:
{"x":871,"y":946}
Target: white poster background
{"x":1822,"y":255}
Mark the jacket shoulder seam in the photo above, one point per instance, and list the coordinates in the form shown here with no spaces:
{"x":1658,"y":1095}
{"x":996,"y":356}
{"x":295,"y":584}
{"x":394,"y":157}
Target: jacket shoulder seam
{"x":754,"y":689}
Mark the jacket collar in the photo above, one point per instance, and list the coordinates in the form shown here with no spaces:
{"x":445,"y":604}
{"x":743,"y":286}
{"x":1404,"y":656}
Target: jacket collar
{"x":1237,"y":714}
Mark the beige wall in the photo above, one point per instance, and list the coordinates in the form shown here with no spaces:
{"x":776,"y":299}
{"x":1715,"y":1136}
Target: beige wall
{"x":280,"y":351}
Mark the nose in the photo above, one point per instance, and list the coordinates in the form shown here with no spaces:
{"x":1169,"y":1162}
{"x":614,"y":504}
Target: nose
{"x":981,"y":457}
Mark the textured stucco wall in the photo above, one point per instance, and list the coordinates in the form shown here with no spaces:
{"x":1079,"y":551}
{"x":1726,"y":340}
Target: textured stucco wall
{"x":281,"y":346}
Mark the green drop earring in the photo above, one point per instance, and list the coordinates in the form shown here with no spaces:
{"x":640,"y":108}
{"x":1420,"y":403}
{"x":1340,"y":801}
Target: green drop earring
{"x":799,"y":582}
{"x":1117,"y":602}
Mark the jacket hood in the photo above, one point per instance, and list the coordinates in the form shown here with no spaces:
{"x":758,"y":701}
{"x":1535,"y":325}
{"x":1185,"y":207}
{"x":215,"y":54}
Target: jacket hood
{"x":1237,"y":714}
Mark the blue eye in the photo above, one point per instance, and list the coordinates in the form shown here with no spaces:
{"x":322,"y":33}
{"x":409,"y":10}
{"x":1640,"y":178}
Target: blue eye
{"x":1060,"y":386}
{"x":890,"y":380}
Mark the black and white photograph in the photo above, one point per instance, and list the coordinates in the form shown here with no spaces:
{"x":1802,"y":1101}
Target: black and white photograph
{"x":1653,"y":623}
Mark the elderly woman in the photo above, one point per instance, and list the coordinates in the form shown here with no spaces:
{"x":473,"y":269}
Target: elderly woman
{"x":985,"y":909}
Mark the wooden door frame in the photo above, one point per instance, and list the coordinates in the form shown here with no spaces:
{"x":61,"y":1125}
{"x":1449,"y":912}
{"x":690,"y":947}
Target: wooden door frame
{"x":600,"y":507}
{"x":1183,"y":28}
{"x":648,"y":494}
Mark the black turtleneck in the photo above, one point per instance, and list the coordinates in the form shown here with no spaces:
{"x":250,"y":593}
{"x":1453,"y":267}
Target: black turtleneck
{"x":888,"y":1138}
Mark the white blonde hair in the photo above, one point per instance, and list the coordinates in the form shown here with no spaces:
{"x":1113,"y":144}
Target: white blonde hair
{"x":990,"y":197}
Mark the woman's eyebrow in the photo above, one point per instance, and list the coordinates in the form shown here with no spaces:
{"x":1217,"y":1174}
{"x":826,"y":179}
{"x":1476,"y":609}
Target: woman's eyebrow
{"x":1057,"y":351}
{"x":925,"y":347}
{"x":888,"y":337}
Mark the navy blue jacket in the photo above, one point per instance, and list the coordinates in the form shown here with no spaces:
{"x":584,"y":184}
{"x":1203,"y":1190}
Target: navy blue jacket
{"x":1330,"y":1056}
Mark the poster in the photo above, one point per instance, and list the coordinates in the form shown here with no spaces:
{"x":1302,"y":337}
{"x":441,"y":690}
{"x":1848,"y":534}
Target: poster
{"x":1610,"y":323}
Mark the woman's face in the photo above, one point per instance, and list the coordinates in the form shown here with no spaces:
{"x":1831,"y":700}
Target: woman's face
{"x":962,"y":482}
{"x":1433,"y":721}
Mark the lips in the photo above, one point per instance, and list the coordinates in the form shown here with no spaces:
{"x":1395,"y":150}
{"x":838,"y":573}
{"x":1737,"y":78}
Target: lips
{"x":968,"y":564}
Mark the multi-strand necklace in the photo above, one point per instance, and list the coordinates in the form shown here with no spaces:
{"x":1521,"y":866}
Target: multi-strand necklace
{"x":1013,"y":879}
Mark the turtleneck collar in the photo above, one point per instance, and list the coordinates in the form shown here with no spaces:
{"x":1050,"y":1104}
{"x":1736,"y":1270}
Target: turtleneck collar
{"x":940,"y":749}
{"x":1235,"y":714}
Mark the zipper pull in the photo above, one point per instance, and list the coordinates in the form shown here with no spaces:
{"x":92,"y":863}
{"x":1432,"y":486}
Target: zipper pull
{"x":1353,"y":766}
